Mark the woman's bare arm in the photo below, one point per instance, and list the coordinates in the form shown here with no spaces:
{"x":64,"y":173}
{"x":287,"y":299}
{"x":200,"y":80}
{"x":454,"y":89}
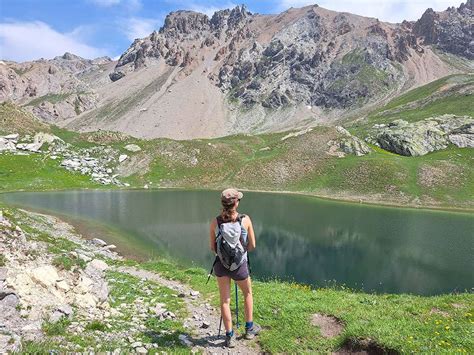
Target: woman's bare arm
{"x":212,"y":236}
{"x":251,"y":234}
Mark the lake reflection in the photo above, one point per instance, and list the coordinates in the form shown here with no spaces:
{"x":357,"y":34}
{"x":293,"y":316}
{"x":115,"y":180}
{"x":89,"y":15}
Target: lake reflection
{"x":298,"y":238}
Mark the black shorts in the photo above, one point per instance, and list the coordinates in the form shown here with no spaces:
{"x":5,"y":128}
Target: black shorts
{"x":239,"y":274}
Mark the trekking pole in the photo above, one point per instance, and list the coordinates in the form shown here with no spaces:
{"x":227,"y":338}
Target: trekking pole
{"x":237,"y":304}
{"x":220,"y":326}
{"x":210,"y":272}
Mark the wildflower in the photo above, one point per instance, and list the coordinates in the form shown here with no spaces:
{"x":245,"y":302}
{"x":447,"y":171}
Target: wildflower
{"x":447,"y":327}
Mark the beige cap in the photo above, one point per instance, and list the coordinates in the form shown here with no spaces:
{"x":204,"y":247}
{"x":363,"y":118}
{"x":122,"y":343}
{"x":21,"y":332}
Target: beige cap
{"x":229,"y":195}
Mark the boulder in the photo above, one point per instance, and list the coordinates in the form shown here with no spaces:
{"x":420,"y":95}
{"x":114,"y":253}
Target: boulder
{"x":12,"y":137}
{"x":132,"y":148}
{"x":425,"y":136}
{"x":86,"y":301}
{"x":98,"y":264}
{"x":122,"y":158}
{"x":45,"y":275}
{"x":6,"y":145}
{"x":353,"y":145}
{"x":63,"y":286}
{"x":99,"y":242}
{"x":32,"y":147}
{"x":42,"y":137}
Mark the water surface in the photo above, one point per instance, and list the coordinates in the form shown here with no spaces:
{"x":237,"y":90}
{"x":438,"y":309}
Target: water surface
{"x":299,"y":238}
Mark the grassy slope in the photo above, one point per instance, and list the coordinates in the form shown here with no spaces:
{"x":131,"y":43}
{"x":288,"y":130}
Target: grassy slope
{"x":404,"y":323}
{"x":441,"y":179}
{"x":14,"y":119}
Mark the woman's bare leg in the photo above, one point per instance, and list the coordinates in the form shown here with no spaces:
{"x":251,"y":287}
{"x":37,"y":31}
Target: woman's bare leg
{"x":224,"y":291}
{"x":246,"y":287}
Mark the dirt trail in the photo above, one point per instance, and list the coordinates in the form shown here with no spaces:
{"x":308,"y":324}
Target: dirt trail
{"x":202,"y":339}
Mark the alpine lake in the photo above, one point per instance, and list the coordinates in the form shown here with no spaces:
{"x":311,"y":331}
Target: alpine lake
{"x":299,"y":238}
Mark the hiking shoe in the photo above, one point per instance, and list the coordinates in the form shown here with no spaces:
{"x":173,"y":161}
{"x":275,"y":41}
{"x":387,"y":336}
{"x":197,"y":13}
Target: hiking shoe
{"x":229,"y":341}
{"x":252,"y":332}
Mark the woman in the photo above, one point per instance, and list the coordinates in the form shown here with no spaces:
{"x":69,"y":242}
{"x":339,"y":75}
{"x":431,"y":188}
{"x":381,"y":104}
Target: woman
{"x":230,"y":201}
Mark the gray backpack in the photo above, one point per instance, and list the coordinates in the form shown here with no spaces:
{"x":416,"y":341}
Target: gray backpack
{"x":230,"y":246}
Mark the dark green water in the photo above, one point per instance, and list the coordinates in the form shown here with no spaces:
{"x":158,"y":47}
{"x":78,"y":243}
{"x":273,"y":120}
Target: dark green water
{"x":299,"y":238}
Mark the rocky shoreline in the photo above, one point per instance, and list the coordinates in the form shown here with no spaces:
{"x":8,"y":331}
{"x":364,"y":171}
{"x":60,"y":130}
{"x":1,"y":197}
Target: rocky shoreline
{"x":62,"y":293}
{"x":97,"y":162}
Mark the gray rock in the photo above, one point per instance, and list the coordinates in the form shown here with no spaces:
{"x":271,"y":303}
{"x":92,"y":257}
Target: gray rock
{"x":65,"y":309}
{"x":132,"y":148}
{"x":425,"y":136}
{"x":122,"y":158}
{"x":141,"y":350}
{"x":354,"y":145}
{"x":9,"y":300}
{"x":3,"y":270}
{"x":99,"y":242}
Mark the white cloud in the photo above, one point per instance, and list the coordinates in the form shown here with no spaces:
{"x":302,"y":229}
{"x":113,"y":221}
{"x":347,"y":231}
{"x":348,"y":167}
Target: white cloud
{"x":386,"y":10}
{"x":139,"y":27}
{"x":209,"y":10}
{"x":22,"y":41}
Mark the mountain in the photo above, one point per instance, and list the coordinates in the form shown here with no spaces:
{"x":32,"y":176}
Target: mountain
{"x":238,"y":72}
{"x":54,"y":89}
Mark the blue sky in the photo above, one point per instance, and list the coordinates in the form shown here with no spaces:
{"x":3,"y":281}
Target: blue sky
{"x":30,"y":29}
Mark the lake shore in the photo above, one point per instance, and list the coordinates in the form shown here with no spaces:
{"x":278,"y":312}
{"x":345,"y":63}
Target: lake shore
{"x":402,"y":323}
{"x":350,"y":199}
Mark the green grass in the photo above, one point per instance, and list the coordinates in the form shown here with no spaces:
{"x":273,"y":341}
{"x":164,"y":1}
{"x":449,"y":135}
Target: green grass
{"x":3,"y":260}
{"x":404,"y":323}
{"x":52,"y":98}
{"x":425,"y":101}
{"x":96,"y":325}
{"x":38,"y":172}
{"x":65,"y":262}
{"x":58,"y":328}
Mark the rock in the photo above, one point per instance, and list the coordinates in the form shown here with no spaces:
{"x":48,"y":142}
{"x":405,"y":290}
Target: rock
{"x":110,"y":247}
{"x":3,"y":273}
{"x":343,"y":131}
{"x":56,"y":317}
{"x":205,"y":324}
{"x":12,"y":137}
{"x":354,"y":145}
{"x":137,"y":344}
{"x":86,"y":300}
{"x":99,"y":242}
{"x":45,"y":275}
{"x":141,"y":350}
{"x":32,"y":147}
{"x":63,"y":286}
{"x":132,"y":148}
{"x":6,"y":145}
{"x":122,"y":158}
{"x":42,"y":137}
{"x":296,"y":134}
{"x":9,"y":300}
{"x":98,"y":264}
{"x":184,"y":340}
{"x":194,"y":293}
{"x":425,"y":136}
{"x":65,"y":309}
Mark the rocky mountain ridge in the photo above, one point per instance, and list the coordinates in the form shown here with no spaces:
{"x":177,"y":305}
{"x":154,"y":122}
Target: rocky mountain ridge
{"x":238,"y":72}
{"x":54,"y":89}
